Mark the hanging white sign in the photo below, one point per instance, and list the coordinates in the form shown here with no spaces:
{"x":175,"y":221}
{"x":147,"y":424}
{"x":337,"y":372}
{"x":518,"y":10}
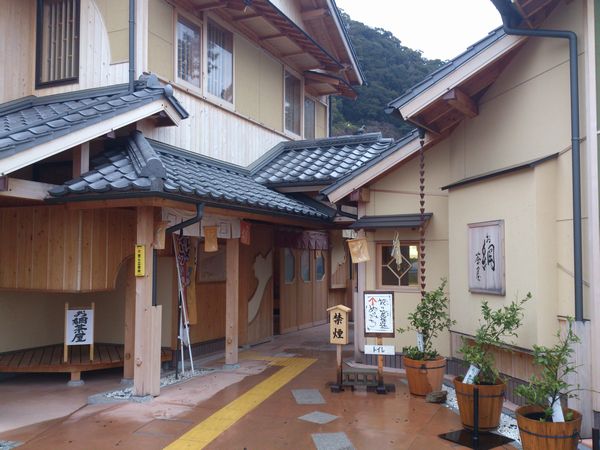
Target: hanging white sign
{"x":80,"y":326}
{"x":486,"y":257}
{"x":380,"y":350}
{"x":379,"y":313}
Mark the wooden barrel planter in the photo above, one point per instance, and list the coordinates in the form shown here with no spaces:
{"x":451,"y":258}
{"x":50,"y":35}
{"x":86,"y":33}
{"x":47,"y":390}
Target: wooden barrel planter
{"x":491,"y":398}
{"x":536,"y":435}
{"x":424,"y":376}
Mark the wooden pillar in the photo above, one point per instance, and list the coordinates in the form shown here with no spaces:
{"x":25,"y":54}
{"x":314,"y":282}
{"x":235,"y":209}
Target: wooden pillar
{"x":81,"y":159}
{"x":357,"y":305}
{"x":128,"y":351}
{"x":231,"y":301}
{"x":146,"y":374}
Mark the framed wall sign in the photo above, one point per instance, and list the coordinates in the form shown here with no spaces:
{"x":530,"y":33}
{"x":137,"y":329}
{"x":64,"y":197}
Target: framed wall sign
{"x":379,"y":313}
{"x":486,"y":258}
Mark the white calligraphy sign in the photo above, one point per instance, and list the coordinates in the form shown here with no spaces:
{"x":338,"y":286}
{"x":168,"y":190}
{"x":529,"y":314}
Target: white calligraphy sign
{"x":379,"y":313}
{"x":486,"y":257}
{"x":80,"y":327}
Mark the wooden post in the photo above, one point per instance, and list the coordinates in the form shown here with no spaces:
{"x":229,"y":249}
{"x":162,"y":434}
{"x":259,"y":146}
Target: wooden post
{"x":144,"y":378}
{"x":231,"y":301}
{"x":92,"y":344}
{"x":129,"y":351}
{"x":66,"y":347}
{"x":379,"y":341}
{"x":339,"y":364}
{"x":81,"y":159}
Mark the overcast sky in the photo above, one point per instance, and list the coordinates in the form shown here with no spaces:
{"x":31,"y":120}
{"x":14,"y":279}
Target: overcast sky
{"x":439,"y":28}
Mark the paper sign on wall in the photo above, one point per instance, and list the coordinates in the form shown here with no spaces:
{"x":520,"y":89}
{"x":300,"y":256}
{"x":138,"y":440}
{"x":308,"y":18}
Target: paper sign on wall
{"x":486,"y":257}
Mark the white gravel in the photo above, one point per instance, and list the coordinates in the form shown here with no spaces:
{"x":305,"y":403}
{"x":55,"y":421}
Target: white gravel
{"x":508,"y":424}
{"x":127,"y":393}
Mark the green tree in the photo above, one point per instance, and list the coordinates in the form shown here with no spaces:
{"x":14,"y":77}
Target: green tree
{"x":390,"y":69}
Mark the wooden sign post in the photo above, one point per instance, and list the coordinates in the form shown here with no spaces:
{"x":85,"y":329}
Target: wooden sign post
{"x":379,"y":323}
{"x":79,"y":328}
{"x":338,"y":334}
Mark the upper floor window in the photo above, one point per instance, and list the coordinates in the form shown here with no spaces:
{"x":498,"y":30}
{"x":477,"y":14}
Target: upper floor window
{"x":293,"y":99}
{"x":220,"y":62}
{"x":188,"y":52}
{"x":309,"y":118}
{"x":57,"y":46}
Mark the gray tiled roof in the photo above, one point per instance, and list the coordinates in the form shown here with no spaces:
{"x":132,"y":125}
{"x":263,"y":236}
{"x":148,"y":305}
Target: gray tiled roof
{"x":446,"y":69}
{"x":139,"y":166}
{"x":317,"y":162}
{"x":33,"y":120}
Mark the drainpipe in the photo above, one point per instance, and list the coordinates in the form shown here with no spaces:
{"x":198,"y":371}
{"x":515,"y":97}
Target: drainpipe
{"x":131,"y":45}
{"x":173,"y":229}
{"x":509,"y":18}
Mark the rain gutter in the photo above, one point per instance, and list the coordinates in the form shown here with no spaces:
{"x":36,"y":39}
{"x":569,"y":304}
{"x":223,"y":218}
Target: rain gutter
{"x":511,"y":18}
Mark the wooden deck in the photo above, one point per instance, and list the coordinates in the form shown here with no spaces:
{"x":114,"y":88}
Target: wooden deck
{"x":50,"y":358}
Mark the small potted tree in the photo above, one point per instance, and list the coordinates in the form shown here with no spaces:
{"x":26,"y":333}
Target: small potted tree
{"x":543,"y":423}
{"x":425,"y":368}
{"x":495,"y":327}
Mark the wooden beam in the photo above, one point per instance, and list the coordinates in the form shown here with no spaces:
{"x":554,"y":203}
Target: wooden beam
{"x":211,"y":5}
{"x":322,"y":78}
{"x":271,"y":36}
{"x":361,"y":195}
{"x":313,"y":14}
{"x":461,"y":102}
{"x":232,"y":255}
{"x":30,"y":190}
{"x":129,"y":346}
{"x":145,"y":362}
{"x":248,"y":17}
{"x":81,"y":159}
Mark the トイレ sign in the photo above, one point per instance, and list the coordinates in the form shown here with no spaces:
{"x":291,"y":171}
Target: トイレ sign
{"x":379,"y":313}
{"x":338,"y":324}
{"x":388,"y":350}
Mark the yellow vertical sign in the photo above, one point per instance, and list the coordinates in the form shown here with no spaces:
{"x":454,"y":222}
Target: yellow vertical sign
{"x":140,"y":260}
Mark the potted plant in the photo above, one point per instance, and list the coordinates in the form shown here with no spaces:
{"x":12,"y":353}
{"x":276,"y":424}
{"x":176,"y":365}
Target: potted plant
{"x":543,"y":423}
{"x":495,"y":327}
{"x":425,"y":368}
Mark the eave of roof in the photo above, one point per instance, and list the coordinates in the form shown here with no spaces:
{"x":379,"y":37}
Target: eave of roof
{"x":34,"y":128}
{"x":504,"y":171}
{"x":390,"y":221}
{"x":137,"y":167}
{"x":317,"y":162}
{"x":349,"y":180}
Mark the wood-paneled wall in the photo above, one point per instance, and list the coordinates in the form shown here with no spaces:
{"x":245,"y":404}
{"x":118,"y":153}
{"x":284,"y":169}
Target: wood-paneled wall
{"x":215,"y":132}
{"x":56,"y":249}
{"x":261,"y":327}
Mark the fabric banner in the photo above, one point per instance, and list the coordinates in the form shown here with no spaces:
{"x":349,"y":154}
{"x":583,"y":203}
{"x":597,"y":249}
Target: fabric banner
{"x":211,"y":243}
{"x":186,"y":254}
{"x":245,"y":229}
{"x":308,"y":240}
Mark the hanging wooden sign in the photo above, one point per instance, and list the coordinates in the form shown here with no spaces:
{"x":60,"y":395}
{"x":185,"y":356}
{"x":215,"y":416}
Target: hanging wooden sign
{"x":359,"y":251}
{"x":210,"y":239}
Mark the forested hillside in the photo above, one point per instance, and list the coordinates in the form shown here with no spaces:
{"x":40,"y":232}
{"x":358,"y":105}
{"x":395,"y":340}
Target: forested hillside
{"x":390,"y":68}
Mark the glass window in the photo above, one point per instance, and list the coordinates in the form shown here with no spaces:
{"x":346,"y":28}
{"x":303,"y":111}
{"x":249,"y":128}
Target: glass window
{"x":220,"y":62}
{"x":293,"y":97}
{"x":309,"y":118}
{"x":289,"y":262}
{"x":319,"y":266}
{"x":188,"y":52}
{"x":403,"y":274}
{"x":305,"y":265}
{"x":57,"y":50}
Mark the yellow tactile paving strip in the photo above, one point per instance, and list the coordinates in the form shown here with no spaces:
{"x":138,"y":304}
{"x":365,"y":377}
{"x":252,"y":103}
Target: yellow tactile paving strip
{"x":209,"y":429}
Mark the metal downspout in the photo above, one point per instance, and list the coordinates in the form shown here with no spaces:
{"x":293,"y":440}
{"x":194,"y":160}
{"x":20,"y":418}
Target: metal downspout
{"x":173,"y":229}
{"x":131,"y":45}
{"x":507,"y":14}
